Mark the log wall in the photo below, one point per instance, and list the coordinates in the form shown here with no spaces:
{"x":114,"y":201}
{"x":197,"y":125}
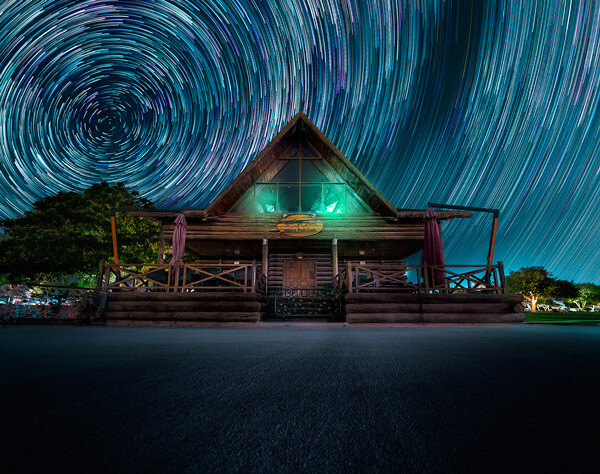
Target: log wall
{"x":436,"y":308}
{"x":323,"y":264}
{"x":197,"y":306}
{"x":260,"y":226}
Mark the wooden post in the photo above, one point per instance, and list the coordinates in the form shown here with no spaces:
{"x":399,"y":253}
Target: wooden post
{"x":265,"y":264}
{"x":349,"y":276}
{"x":492,"y":241}
{"x":253,"y":276}
{"x":161,"y":246}
{"x":334,"y":258}
{"x":265,"y":257}
{"x":502,"y":278}
{"x":113,"y":225}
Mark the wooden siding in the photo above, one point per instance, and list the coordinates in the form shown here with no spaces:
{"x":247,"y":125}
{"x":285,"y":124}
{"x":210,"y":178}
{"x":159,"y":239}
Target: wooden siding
{"x":323,"y":263}
{"x":347,"y":227}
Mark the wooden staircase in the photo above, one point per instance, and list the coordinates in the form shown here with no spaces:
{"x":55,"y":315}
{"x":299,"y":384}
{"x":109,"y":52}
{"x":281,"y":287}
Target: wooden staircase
{"x":189,"y":306}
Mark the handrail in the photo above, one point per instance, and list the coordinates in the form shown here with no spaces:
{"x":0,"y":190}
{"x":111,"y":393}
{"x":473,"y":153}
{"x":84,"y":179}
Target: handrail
{"x":340,"y":281}
{"x":261,"y":282}
{"x":178,"y":277}
{"x":353,"y":278}
{"x":392,"y":278}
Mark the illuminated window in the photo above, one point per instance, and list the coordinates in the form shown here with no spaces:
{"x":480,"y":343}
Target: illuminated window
{"x":300,"y":182}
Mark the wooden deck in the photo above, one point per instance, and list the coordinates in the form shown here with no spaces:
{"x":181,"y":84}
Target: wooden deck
{"x":372,"y":293}
{"x":433,"y":308}
{"x":196,"y":306}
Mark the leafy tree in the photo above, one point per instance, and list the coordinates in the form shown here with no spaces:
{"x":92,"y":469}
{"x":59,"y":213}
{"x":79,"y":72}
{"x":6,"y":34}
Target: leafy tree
{"x":70,"y":233}
{"x":564,"y":290}
{"x":586,"y":293}
{"x":531,"y":282}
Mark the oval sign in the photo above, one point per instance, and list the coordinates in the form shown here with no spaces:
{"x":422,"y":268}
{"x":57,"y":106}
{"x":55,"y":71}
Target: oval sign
{"x":299,"y":225}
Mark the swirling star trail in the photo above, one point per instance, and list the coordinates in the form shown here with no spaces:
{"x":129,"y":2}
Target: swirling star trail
{"x":488,"y":104}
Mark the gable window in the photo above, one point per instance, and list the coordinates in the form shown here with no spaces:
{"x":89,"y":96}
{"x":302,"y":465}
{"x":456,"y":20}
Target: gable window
{"x":308,"y":186}
{"x":300,"y":181}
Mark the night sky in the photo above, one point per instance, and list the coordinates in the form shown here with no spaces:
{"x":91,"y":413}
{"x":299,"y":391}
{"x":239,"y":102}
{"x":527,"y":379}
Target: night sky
{"x":487,"y":104}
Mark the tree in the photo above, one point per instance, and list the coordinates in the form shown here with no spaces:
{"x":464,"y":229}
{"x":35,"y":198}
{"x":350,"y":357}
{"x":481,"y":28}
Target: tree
{"x":70,"y":233}
{"x":564,"y":290}
{"x":586,"y":293}
{"x":531,"y":282}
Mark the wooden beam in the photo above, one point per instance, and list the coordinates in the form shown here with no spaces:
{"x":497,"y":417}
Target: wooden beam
{"x":265,"y":257}
{"x":334,"y":257}
{"x":113,"y":226}
{"x":161,"y":246}
{"x":493,"y":241}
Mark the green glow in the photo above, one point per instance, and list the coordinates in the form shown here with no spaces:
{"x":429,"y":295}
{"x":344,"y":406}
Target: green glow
{"x":293,"y":185}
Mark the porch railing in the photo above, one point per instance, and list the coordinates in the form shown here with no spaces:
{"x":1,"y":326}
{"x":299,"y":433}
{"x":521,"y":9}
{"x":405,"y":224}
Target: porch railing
{"x":243,"y":277}
{"x":357,"y":278}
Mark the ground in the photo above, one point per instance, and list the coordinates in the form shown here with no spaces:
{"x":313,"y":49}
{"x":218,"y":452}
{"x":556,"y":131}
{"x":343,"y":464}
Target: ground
{"x":296,"y":399}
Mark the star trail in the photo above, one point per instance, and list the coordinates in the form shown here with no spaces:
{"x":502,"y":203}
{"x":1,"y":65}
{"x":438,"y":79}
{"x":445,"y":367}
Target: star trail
{"x":487,"y":104}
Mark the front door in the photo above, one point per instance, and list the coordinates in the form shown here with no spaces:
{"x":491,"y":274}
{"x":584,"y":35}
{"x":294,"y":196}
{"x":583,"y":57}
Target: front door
{"x":299,"y":274}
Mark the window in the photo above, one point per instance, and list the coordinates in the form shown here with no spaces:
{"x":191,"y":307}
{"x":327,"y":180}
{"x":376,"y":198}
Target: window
{"x":299,"y":182}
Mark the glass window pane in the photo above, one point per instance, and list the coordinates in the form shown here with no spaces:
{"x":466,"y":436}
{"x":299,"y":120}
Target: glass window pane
{"x":310,"y":173}
{"x":322,"y":168}
{"x":245,"y":204}
{"x":266,"y":198}
{"x":312,"y":200}
{"x":290,"y":173}
{"x":355,"y":205}
{"x":334,"y":198}
{"x":289,"y":198}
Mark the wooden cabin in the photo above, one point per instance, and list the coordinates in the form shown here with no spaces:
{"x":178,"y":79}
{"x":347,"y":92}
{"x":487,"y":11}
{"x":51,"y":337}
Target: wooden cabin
{"x":301,"y":232}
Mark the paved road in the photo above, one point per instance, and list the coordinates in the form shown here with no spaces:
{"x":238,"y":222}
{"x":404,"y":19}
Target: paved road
{"x":291,"y":399}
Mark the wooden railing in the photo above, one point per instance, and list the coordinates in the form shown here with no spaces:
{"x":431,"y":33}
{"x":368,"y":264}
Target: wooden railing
{"x":420,"y":278}
{"x":340,"y":281}
{"x":465,"y":278}
{"x":261,"y":282}
{"x":243,"y":277}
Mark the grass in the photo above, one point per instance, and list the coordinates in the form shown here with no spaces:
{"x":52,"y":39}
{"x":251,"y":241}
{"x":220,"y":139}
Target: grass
{"x":583,"y":317}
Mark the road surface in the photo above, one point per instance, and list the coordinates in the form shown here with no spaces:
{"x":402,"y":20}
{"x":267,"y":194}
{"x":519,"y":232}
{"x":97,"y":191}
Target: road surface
{"x":300,"y":399}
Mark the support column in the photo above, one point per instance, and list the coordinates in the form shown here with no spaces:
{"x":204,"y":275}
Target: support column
{"x":161,"y":246}
{"x":265,"y":257}
{"x":334,"y":257}
{"x":113,"y":226}
{"x":493,"y":241}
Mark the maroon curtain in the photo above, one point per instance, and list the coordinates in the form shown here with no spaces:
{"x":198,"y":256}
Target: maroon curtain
{"x":433,"y":251}
{"x":178,"y":247}
{"x":179,"y":239}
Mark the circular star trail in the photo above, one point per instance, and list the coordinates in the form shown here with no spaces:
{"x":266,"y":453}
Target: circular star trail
{"x":487,"y":104}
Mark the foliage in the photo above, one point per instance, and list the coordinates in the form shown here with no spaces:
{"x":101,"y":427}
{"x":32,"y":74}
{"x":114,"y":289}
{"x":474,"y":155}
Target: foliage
{"x":587,"y":293}
{"x":564,"y":290}
{"x":531,"y":282}
{"x":70,"y":233}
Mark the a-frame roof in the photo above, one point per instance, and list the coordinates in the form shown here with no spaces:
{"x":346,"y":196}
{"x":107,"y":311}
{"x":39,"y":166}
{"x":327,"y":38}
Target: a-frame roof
{"x":301,"y":126}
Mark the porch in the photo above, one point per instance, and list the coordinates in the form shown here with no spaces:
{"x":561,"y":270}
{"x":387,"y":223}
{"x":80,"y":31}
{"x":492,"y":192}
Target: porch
{"x":366,"y":292}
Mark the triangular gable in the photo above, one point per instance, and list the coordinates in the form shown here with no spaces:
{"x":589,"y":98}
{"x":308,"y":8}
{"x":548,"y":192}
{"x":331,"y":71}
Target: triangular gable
{"x":301,"y":126}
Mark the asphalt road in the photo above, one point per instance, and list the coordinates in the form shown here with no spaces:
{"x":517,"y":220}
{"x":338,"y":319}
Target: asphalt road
{"x":300,"y":399}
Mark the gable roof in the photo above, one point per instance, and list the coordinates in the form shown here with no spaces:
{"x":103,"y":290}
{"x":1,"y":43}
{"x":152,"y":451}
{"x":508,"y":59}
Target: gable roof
{"x":301,"y":125}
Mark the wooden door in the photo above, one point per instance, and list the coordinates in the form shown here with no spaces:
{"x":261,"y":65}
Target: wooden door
{"x":299,"y":274}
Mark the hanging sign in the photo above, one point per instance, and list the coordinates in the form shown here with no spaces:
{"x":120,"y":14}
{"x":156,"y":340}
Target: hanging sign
{"x":300,"y":225}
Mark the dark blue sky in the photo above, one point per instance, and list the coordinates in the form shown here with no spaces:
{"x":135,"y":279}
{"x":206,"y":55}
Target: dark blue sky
{"x":488,"y":104}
